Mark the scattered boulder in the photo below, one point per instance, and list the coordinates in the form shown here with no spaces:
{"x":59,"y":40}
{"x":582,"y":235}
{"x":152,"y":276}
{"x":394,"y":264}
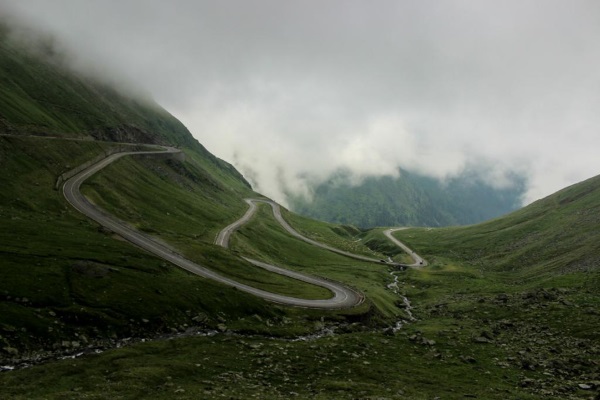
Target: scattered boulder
{"x":200,"y":318}
{"x":11,"y":351}
{"x":527,"y":382}
{"x":502,"y":297}
{"x":467,"y":359}
{"x":487,"y":335}
{"x":528,"y":364}
{"x":417,"y":338}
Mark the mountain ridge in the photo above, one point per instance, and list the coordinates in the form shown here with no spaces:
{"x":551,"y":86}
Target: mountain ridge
{"x":556,"y":234}
{"x":412,"y":199}
{"x":41,"y":96}
{"x":481,"y":320}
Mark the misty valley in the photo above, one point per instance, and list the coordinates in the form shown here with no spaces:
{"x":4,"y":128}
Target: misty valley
{"x":309,"y":236}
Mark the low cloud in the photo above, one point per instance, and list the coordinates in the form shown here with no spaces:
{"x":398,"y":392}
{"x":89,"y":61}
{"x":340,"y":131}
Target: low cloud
{"x":291,"y":92}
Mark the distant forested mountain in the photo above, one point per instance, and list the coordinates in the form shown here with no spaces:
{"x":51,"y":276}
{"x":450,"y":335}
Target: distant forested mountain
{"x":412,"y":199}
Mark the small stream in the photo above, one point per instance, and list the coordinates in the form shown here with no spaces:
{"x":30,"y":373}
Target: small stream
{"x":100,"y":347}
{"x":408,"y":307}
{"x":326,"y":331}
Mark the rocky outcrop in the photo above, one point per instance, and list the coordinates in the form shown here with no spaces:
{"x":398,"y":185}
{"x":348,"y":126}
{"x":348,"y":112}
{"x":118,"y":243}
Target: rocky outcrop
{"x":118,"y":148}
{"x":127,"y":134}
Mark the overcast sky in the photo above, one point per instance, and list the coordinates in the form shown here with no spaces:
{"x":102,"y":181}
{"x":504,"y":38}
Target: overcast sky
{"x":290,"y":91}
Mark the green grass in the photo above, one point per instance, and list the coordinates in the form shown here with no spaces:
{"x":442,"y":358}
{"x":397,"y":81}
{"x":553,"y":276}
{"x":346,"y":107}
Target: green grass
{"x":530,"y":280}
{"x":348,"y":366}
{"x":63,"y":276}
{"x":343,"y":237}
{"x":554,"y":236}
{"x":66,"y":279}
{"x":265,"y":239}
{"x":40,"y":95}
{"x":187,"y":207}
{"x":82,"y":282}
{"x":551,"y":245}
{"x":506,"y":309}
{"x":411,"y":199}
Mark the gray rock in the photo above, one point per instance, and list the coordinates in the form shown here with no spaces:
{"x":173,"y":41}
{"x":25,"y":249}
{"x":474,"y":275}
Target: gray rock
{"x":527,"y":382}
{"x":503,"y":297}
{"x":487,"y":335}
{"x":584,"y":386}
{"x":200,"y":318}
{"x":467,"y":359}
{"x":11,"y":350}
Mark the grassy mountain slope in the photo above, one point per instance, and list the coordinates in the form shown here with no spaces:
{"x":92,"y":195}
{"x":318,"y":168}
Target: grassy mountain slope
{"x":64,"y":278}
{"x":557,"y":235}
{"x":40,"y":95}
{"x":66,"y":283}
{"x":529,"y":282}
{"x":412,"y":199}
{"x":488,"y":323}
{"x":264,"y":238}
{"x":481,"y":331}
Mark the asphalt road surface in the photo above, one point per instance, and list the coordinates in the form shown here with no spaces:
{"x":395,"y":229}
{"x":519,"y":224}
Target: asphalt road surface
{"x":343,"y":297}
{"x":223,"y":237}
{"x":418,"y":260}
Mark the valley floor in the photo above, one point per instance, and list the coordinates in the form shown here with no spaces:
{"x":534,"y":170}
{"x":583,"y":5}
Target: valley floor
{"x":479,"y":331}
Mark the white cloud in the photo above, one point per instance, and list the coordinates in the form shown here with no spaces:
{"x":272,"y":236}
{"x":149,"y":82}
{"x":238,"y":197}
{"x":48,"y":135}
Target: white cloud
{"x":292,"y":91}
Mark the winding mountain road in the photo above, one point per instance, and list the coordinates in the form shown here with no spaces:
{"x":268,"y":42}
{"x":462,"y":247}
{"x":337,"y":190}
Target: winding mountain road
{"x":418,"y":260}
{"x":343,"y":296}
{"x":223,"y":237}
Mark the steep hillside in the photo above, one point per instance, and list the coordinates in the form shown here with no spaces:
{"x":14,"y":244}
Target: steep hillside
{"x":556,"y":235}
{"x":410,"y":200}
{"x":65,"y":280}
{"x":41,"y":95}
{"x":505,"y":309}
{"x":467,"y":331}
{"x":68,"y":284}
{"x":529,"y":281}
